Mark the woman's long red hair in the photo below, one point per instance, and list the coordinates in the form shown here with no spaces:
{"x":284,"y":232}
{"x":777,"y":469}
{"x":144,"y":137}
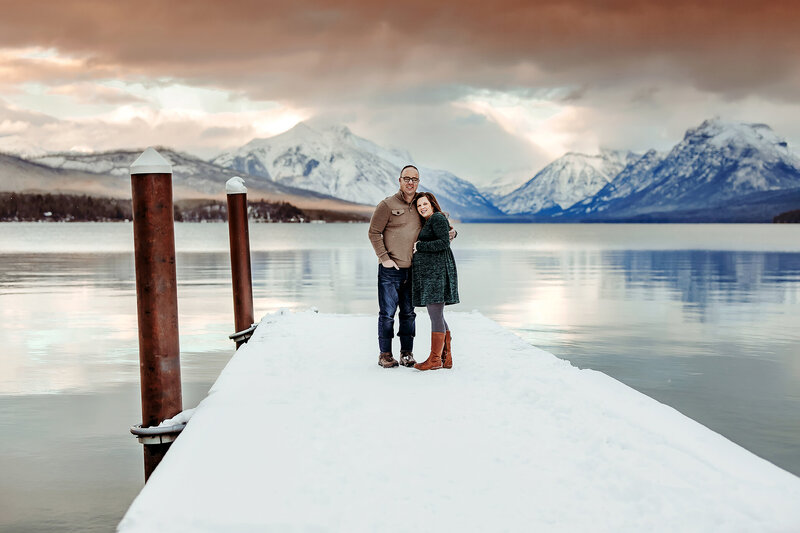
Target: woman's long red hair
{"x":432,"y":199}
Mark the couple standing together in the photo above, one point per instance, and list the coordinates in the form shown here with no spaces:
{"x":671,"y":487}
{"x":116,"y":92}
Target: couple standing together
{"x":411,"y":237}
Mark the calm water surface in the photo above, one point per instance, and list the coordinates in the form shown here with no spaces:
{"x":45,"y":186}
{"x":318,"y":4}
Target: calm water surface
{"x":701,"y":317}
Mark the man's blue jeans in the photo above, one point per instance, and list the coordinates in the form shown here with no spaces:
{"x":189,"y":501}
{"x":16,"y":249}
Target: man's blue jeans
{"x":394,"y":291}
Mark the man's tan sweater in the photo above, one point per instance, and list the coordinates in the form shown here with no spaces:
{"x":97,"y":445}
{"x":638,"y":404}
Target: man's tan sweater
{"x":394,"y":228}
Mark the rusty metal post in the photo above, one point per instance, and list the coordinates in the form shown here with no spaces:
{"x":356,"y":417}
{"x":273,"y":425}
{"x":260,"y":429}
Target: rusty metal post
{"x":239,"y":233}
{"x":156,"y":296}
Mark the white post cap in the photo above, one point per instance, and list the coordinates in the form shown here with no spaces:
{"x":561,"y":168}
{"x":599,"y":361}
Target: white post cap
{"x":235,"y":185}
{"x":151,"y":162}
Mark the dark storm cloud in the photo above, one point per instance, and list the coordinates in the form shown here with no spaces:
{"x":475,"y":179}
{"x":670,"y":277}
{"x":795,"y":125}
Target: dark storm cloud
{"x":320,"y":51}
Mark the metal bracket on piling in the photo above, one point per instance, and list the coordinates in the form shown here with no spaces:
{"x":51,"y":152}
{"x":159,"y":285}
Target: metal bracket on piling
{"x":157,"y":434}
{"x":244,"y":335}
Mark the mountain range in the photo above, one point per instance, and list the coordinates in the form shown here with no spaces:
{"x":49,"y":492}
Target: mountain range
{"x":334,"y":161}
{"x":108,"y":174}
{"x":721,"y":171}
{"x":565,"y":181}
{"x":718,"y":169}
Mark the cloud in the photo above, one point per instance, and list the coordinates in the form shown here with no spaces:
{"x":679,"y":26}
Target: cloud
{"x":9,"y":112}
{"x":47,"y":66}
{"x":323,"y":51}
{"x":93,"y":94}
{"x":479,"y":88}
{"x":452,"y":137}
{"x":135,"y":126}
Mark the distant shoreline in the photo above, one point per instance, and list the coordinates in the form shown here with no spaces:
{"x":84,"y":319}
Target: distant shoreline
{"x":34,"y":207}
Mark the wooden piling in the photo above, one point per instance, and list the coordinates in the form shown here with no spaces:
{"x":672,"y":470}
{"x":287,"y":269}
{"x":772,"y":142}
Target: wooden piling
{"x":156,"y":296}
{"x":241,"y":273}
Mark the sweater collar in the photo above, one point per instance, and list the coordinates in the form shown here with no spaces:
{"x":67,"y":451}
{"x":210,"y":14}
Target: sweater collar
{"x":402,"y":198}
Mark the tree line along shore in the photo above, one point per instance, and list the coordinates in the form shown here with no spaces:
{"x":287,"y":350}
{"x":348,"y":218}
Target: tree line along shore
{"x":32,"y":207}
{"x":789,"y":217}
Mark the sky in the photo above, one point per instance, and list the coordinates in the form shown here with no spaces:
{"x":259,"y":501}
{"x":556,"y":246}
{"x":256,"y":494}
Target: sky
{"x":487,"y":90}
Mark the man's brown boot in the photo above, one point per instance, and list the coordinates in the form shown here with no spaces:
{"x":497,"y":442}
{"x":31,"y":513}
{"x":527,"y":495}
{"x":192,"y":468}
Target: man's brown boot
{"x":386,"y":360}
{"x":447,"y":354}
{"x":434,"y":360}
{"x":407,"y":358}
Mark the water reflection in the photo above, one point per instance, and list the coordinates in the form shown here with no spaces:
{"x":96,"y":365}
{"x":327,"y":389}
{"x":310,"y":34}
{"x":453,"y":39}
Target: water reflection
{"x":702,"y":277}
{"x":335,"y":281}
{"x":70,"y":320}
{"x":711,"y":333}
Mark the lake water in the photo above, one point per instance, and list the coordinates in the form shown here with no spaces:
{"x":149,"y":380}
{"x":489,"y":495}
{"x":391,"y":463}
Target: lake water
{"x":701,"y":317}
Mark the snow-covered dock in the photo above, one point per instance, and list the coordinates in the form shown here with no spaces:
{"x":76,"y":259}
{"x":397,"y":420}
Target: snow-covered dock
{"x":304,"y":432}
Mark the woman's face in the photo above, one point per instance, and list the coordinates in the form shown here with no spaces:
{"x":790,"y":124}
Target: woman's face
{"x":424,"y":207}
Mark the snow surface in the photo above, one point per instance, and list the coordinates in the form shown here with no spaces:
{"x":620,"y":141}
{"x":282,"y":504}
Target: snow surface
{"x":151,"y":162}
{"x":235,"y":185}
{"x":303,"y":431}
{"x":181,"y":418}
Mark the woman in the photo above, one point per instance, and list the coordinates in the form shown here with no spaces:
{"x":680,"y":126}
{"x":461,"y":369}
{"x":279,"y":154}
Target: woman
{"x":434,"y":278}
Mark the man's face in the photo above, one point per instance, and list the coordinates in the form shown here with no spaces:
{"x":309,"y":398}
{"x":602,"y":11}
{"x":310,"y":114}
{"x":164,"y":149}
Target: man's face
{"x":409,"y":181}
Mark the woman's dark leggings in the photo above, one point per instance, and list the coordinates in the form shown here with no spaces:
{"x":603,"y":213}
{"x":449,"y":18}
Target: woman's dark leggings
{"x":438,"y":323}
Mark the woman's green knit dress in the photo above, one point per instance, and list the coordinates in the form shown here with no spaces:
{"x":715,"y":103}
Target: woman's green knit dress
{"x":434,"y":276}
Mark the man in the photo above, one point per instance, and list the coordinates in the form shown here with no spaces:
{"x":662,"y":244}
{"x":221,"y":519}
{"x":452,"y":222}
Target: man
{"x":393,"y":229}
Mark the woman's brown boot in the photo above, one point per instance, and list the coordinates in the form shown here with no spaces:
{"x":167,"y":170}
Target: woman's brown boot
{"x":447,"y":354}
{"x":434,"y":360}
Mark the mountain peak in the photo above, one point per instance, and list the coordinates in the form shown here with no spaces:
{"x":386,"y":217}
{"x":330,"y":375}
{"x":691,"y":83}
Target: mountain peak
{"x":721,"y":133}
{"x":301,"y":130}
{"x":331,"y":132}
{"x":576,"y":155}
{"x":330,"y":159}
{"x":566,"y":181}
{"x":300,"y":127}
{"x":340,"y":131}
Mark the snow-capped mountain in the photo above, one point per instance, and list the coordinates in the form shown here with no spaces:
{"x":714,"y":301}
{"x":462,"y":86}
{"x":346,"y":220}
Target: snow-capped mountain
{"x":501,"y":186}
{"x":191,"y":177}
{"x":717,"y":163}
{"x":20,"y":175}
{"x":720,"y":171}
{"x":633,"y":178}
{"x":25,"y":149}
{"x":332,"y":161}
{"x":566,"y":181}
{"x":458,"y":197}
{"x":336,"y":162}
{"x":188,"y":172}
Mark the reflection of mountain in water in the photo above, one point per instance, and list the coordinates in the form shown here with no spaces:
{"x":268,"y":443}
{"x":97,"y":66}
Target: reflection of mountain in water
{"x":703,"y":277}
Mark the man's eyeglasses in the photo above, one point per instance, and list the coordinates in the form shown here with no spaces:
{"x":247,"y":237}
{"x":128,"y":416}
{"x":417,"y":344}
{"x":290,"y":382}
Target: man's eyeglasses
{"x":411,"y":180}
